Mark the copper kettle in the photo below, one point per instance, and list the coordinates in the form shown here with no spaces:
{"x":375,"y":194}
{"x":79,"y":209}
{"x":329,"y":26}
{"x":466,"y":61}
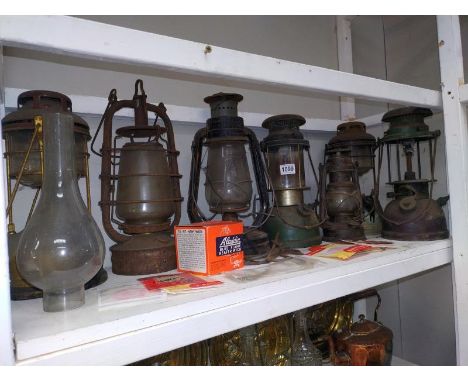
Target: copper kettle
{"x":365,"y":343}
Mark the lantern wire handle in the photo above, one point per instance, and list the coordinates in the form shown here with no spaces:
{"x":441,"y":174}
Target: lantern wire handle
{"x":37,"y":128}
{"x":111,"y":99}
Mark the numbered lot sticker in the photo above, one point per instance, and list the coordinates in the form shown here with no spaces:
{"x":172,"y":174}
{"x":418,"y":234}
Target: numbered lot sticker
{"x":287,"y":169}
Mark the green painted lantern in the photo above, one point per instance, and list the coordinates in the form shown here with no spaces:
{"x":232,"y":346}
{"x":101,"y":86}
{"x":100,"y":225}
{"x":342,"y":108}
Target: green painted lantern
{"x":295,"y":221}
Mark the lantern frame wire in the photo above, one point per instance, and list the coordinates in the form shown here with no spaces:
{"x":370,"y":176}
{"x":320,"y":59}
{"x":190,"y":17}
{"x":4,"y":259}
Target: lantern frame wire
{"x":432,"y":142}
{"x":110,"y":160}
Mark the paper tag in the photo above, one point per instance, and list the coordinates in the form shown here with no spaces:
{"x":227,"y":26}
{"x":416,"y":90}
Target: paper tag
{"x":287,"y":169}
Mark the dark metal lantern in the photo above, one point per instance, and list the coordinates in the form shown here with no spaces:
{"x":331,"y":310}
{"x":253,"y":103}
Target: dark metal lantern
{"x":362,"y":145}
{"x":295,"y":222}
{"x":140,"y":189}
{"x":228,"y":185}
{"x":412,"y":214}
{"x":22,"y":131}
{"x":340,"y":197}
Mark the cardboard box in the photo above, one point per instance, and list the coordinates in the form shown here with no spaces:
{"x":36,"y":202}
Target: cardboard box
{"x":209,"y":248}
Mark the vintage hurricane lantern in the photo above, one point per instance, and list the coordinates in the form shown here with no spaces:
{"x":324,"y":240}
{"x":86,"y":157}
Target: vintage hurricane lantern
{"x":24,"y":167}
{"x":228,"y":182}
{"x":340,"y":197}
{"x":140,"y":190}
{"x":412,"y":214}
{"x":362,"y":145}
{"x":295,"y":221}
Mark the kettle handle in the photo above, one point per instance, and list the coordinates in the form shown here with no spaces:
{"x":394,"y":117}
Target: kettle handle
{"x":365,"y":294}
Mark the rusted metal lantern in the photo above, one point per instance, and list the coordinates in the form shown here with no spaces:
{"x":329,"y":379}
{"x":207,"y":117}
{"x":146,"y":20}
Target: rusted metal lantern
{"x":362,"y":145}
{"x":228,"y":182}
{"x":340,"y":197}
{"x":353,"y":136}
{"x":295,"y":221}
{"x":22,"y":131}
{"x":140,"y":190}
{"x":412,"y":214}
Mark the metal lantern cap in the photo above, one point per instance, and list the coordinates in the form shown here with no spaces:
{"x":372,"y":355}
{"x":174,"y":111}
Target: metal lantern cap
{"x":283,"y":121}
{"x":283,"y":130}
{"x":351,"y":133}
{"x":45,"y":99}
{"x":408,"y":123}
{"x":35,"y":102}
{"x":223,"y":104}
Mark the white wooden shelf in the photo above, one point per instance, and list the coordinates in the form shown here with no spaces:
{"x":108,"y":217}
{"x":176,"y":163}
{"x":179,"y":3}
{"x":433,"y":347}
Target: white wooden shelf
{"x":97,"y":41}
{"x":89,"y":336}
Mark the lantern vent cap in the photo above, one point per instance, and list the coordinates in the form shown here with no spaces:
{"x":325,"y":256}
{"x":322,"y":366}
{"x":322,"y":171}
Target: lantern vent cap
{"x":284,"y":121}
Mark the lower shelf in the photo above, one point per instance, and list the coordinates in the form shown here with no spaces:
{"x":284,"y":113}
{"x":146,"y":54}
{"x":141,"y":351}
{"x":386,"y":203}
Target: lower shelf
{"x":90,"y":336}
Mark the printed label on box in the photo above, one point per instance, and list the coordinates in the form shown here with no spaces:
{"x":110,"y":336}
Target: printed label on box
{"x":191,"y":249}
{"x":227,"y":245}
{"x":287,"y":169}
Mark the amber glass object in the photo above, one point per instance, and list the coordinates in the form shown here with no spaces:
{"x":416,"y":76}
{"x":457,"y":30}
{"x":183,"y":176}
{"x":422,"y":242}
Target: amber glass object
{"x":303,"y":351}
{"x":61,"y":247}
{"x":274,"y":341}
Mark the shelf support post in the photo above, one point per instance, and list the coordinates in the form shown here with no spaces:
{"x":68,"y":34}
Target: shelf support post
{"x":456,"y":146}
{"x":6,"y":335}
{"x":345,"y":63}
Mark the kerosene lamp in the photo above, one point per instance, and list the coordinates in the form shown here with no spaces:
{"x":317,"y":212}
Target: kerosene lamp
{"x":362,"y":145}
{"x":412,"y":214}
{"x":340,"y":197}
{"x":228,"y":183}
{"x":295,"y":221}
{"x":24,"y":167}
{"x":140,"y":190}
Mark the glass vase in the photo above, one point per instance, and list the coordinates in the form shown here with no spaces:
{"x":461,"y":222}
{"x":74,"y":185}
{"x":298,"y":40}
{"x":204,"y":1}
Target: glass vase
{"x":303,"y":351}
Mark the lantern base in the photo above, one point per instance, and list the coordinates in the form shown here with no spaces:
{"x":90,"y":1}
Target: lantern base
{"x":255,"y":245}
{"x":337,"y":234}
{"x":287,"y":222}
{"x":144,"y":254}
{"x":424,"y":222}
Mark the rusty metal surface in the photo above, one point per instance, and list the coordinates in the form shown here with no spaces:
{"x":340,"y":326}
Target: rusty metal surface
{"x":141,"y":108}
{"x":144,"y":254}
{"x":365,"y":343}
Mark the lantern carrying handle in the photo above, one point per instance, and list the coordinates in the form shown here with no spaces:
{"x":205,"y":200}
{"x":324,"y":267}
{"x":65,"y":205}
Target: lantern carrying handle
{"x":112,"y":98}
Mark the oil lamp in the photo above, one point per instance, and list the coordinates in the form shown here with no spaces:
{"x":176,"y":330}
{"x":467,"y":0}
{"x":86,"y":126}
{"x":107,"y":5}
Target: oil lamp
{"x":412,"y":214}
{"x":140,"y":189}
{"x":340,"y":197}
{"x":228,"y":184}
{"x":362,"y":145}
{"x":23,"y":154}
{"x":295,"y":221}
